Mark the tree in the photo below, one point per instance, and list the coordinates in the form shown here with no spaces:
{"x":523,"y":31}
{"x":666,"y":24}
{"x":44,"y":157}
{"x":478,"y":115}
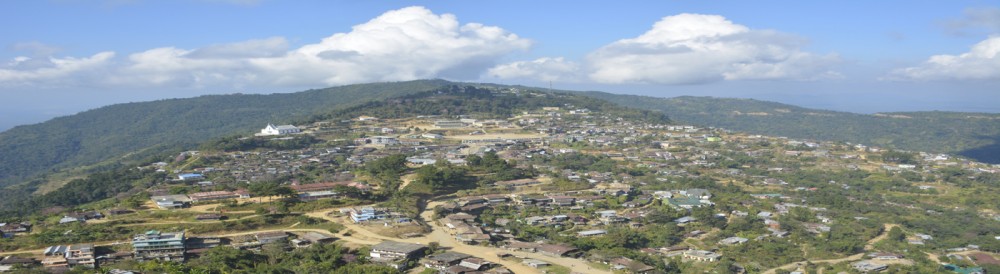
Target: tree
{"x":896,"y":234}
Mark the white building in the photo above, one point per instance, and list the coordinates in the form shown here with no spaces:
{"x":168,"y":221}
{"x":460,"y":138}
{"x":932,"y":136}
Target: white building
{"x":278,"y":130}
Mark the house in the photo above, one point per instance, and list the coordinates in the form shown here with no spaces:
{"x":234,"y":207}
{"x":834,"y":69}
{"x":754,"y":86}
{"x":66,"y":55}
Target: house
{"x":687,"y":202}
{"x":271,"y":237}
{"x":562,"y":200}
{"x":171,"y":201}
{"x":701,"y":255}
{"x":55,"y":262}
{"x":190,"y":176}
{"x":70,"y":219}
{"x":383,"y":140}
{"x":316,"y":195}
{"x":316,"y":237}
{"x":57,"y":251}
{"x":272,"y":130}
{"x":685,"y":219}
{"x":535,"y":263}
{"x":521,"y":246}
{"x":630,"y":266}
{"x":474,"y":263}
{"x":15,"y":228}
{"x":590,"y":233}
{"x":556,"y":249}
{"x":10,"y":262}
{"x":243,"y":193}
{"x":391,"y":249}
{"x":212,"y":196}
{"x":448,"y":124}
{"x":421,"y":161}
{"x":394,"y":254}
{"x":885,"y":256}
{"x":458,"y":269}
{"x":474,"y":236}
{"x":475,"y":208}
{"x":368,"y":214}
{"x":154,"y":245}
{"x":733,"y":241}
{"x":81,"y":255}
{"x":869,"y":266}
{"x":536,"y":220}
{"x":496,"y":198}
{"x":444,"y":260}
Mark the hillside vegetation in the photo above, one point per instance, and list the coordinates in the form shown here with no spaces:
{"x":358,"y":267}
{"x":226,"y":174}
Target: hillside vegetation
{"x":974,"y":135}
{"x":147,"y":128}
{"x":122,"y":133}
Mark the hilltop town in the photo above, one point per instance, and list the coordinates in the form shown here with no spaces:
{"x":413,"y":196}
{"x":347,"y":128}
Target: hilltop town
{"x":561,"y":187}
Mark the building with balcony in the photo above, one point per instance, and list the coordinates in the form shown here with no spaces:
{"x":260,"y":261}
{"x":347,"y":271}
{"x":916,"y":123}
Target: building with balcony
{"x":154,"y":245}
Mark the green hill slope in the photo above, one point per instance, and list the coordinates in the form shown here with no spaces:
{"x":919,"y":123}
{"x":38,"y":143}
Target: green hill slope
{"x":140,"y":129}
{"x":974,"y":135}
{"x":106,"y":133}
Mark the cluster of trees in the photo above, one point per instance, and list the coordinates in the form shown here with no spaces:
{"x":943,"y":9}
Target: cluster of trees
{"x":442,"y":175}
{"x":497,"y":169}
{"x":581,"y":161}
{"x":273,"y":258}
{"x":94,"y":187}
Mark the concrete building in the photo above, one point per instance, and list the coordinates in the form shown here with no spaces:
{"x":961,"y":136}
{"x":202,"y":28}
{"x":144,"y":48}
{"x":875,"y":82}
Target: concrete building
{"x":395,"y":254}
{"x":395,"y":250}
{"x":272,"y":130}
{"x":154,"y":245}
{"x":82,"y":255}
{"x":701,"y":255}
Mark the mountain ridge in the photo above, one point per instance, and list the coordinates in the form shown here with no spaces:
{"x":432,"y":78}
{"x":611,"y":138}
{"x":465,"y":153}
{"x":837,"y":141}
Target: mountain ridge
{"x":970,"y":134}
{"x":109,"y":132}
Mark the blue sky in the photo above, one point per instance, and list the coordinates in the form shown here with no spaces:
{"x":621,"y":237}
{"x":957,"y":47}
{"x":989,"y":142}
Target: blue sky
{"x":60,"y":57}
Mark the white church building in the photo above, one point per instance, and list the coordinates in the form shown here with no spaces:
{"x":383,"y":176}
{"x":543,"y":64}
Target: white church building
{"x":278,"y":130}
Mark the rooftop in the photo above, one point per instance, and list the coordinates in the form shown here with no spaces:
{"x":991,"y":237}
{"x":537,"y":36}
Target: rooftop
{"x":397,"y":247}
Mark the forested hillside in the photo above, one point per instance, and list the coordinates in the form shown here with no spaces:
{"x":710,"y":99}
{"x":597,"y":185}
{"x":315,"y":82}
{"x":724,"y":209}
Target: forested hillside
{"x":149,"y":127}
{"x":974,"y":135}
{"x":142,"y":129}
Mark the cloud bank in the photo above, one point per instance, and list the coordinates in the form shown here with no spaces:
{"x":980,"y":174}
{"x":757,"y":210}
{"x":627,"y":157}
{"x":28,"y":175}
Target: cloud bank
{"x":982,"y":62}
{"x":692,"y":49}
{"x":405,"y":44}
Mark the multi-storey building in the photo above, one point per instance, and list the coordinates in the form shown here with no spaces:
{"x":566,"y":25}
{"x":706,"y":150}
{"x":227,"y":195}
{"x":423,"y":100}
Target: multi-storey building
{"x":159,"y":246}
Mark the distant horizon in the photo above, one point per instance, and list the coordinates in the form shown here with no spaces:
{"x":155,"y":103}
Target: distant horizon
{"x":6,"y":124}
{"x":853,"y":56}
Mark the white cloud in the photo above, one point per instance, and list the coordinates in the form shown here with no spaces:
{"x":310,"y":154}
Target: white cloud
{"x":405,"y":44}
{"x":543,"y":69}
{"x":982,"y":62}
{"x":50,"y":71}
{"x":695,"y":48}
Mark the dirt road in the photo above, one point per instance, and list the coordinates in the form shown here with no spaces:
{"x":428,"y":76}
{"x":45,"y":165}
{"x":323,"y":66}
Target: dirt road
{"x":880,"y":237}
{"x":360,"y":234}
{"x":855,"y":257}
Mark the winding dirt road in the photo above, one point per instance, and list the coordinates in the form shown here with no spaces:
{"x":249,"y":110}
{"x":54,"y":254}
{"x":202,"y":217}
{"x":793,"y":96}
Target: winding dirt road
{"x":855,"y":257}
{"x":362,"y":235}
